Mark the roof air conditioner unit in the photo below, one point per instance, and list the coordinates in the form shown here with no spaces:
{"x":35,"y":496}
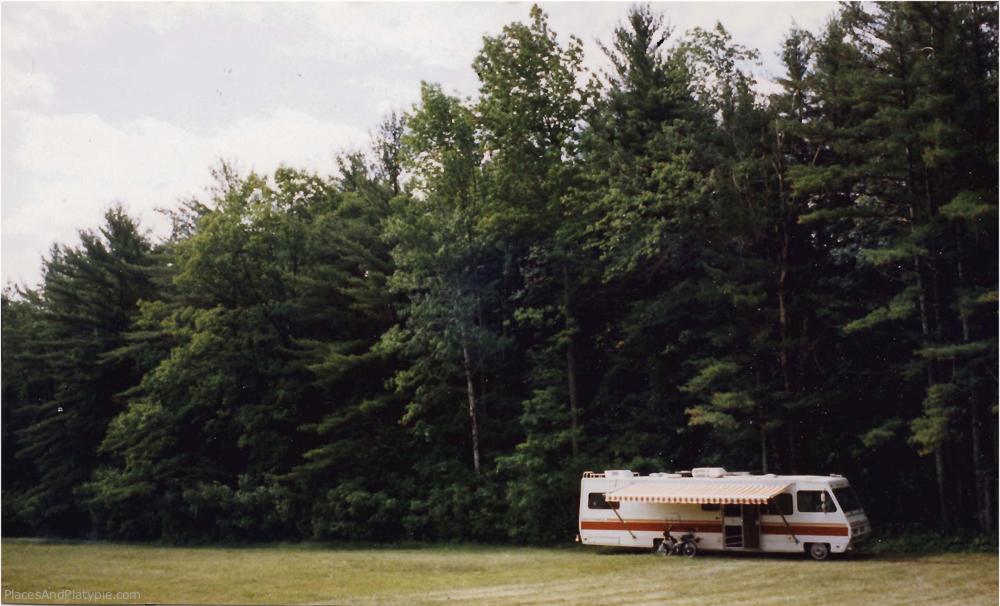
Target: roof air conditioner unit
{"x":708,"y":472}
{"x":618,"y":473}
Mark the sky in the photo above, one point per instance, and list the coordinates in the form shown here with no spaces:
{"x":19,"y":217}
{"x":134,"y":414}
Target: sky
{"x":127,"y":102}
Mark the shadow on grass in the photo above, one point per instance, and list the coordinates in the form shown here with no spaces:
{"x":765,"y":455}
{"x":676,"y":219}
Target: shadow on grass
{"x":741,"y":555}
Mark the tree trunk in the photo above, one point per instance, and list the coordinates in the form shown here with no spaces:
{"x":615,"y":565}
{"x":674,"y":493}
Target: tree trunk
{"x":939,"y":465}
{"x":959,"y":491}
{"x":939,"y":461}
{"x":472,"y":406}
{"x":938,"y":455}
{"x":984,"y":504}
{"x":783,"y":313}
{"x":481,"y":365}
{"x":925,"y":330}
{"x":763,"y":448}
{"x":932,"y":262}
{"x":984,"y":501}
{"x":776,"y":457}
{"x":570,"y":363}
{"x":991,"y":483}
{"x":984,"y":513}
{"x":783,"y":319}
{"x":792,"y":461}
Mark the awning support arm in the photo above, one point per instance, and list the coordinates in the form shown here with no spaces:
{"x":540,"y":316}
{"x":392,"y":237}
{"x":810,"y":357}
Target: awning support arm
{"x":615,"y":509}
{"x":787,"y":527}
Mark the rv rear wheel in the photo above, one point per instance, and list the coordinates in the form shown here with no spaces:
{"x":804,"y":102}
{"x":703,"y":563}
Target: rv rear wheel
{"x":819,"y":551}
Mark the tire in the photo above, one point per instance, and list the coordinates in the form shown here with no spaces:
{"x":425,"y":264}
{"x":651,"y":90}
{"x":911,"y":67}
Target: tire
{"x":690,"y":549}
{"x":661,"y":549}
{"x":818,"y":551}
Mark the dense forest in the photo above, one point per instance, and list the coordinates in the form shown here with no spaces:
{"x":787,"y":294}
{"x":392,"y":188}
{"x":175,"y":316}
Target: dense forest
{"x":653,"y":268}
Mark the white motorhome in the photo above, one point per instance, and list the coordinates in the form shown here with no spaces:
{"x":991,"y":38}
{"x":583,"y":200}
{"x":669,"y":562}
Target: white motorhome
{"x":726,"y":511}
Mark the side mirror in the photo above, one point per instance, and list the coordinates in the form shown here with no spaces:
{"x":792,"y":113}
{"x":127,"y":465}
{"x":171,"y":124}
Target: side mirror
{"x":829,"y":505}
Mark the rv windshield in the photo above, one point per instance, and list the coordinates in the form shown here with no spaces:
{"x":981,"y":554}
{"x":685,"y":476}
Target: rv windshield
{"x":848,"y":500}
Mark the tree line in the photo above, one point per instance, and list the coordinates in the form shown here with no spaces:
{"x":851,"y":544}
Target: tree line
{"x":653,"y":268}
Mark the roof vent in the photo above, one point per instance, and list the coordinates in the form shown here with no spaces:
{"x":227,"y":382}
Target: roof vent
{"x":708,"y":472}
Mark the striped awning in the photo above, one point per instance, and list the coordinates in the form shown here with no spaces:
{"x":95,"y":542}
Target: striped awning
{"x":688,"y":492}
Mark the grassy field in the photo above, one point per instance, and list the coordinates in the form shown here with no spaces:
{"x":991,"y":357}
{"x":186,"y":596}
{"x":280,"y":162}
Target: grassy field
{"x":313,"y":574}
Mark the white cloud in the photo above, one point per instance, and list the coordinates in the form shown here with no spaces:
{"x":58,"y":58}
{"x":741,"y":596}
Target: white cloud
{"x":164,"y":17}
{"x":390,"y":93}
{"x":18,"y":84}
{"x":24,"y":29}
{"x":71,"y":167}
{"x":42,"y":25}
{"x":445,"y":35}
{"x":32,"y":25}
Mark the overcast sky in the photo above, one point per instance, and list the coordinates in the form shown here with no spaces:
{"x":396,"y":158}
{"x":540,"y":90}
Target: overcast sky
{"x":132,"y":102}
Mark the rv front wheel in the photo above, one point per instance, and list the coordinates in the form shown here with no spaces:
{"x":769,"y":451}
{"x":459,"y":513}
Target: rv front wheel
{"x":819,"y":551}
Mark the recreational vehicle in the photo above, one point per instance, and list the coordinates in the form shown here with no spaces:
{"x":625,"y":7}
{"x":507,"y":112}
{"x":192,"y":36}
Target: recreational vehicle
{"x":725,"y":511}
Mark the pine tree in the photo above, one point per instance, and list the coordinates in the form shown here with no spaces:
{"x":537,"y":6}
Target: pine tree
{"x":889,"y":155}
{"x":86,"y":305}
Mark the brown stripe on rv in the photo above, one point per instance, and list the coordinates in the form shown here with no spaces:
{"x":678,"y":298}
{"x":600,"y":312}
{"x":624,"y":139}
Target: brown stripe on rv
{"x":682,"y":526}
{"x":815,"y":530}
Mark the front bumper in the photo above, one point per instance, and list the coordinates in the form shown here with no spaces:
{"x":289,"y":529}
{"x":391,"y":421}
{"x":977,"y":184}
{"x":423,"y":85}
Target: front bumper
{"x":860,"y":531}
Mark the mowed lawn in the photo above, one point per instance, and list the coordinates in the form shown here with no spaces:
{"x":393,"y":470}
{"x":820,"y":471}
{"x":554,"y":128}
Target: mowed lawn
{"x":311,"y":574}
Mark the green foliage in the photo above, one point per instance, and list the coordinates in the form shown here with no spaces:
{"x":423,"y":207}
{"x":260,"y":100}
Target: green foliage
{"x":881,"y":434}
{"x":68,"y":388}
{"x":933,"y":428}
{"x":900,"y":307}
{"x":950,"y":352}
{"x":978,"y":213}
{"x":922,"y":542}
{"x":644,"y":145}
{"x":351,"y":512}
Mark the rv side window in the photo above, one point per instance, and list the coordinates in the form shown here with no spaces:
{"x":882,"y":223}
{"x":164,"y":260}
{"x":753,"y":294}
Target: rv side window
{"x":595,"y":500}
{"x":710,"y":507}
{"x":779,"y":505}
{"x":811,"y":501}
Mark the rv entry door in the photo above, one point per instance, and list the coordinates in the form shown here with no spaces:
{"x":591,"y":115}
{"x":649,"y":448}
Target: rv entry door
{"x":732,"y":521}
